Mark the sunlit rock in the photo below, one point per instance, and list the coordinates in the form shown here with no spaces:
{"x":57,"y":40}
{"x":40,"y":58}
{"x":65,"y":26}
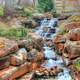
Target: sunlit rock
{"x":19,"y":57}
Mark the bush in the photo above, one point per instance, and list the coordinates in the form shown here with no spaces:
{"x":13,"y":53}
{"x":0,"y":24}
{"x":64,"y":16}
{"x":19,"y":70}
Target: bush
{"x":77,"y":64}
{"x":1,"y":11}
{"x":29,"y":11}
{"x":62,"y":29}
{"x":13,"y":33}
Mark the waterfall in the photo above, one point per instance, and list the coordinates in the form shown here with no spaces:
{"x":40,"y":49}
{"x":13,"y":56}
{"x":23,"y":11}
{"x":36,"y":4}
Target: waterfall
{"x":48,"y":30}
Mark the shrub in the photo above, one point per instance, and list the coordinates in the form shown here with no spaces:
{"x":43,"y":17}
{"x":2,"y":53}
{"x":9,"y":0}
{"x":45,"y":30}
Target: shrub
{"x":1,"y":11}
{"x":13,"y":33}
{"x":77,"y":64}
{"x":62,"y":29}
{"x":29,"y":11}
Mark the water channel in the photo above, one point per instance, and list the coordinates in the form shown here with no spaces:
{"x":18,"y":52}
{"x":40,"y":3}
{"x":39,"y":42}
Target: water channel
{"x":48,"y":30}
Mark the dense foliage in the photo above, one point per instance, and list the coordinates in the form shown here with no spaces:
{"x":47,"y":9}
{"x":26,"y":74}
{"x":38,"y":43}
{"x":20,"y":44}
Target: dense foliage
{"x":45,"y":5}
{"x":14,"y":33}
{"x":1,"y":10}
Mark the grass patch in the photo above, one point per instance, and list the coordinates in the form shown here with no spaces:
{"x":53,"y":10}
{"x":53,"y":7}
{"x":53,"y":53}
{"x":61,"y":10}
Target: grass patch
{"x":13,"y":33}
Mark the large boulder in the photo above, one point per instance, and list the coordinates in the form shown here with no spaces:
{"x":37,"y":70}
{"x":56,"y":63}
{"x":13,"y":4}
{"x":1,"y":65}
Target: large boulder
{"x":35,"y":56}
{"x":29,"y":23}
{"x":37,"y":41}
{"x":19,"y":58}
{"x":34,"y":41}
{"x":59,"y":41}
{"x":38,"y":16}
{"x":13,"y":72}
{"x":65,"y":27}
{"x":73,"y":35}
{"x":72,"y":49}
{"x":7,"y":46}
{"x":72,"y":25}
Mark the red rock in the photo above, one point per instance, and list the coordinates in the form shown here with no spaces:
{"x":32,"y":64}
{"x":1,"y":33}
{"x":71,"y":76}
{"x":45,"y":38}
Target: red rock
{"x":4,"y":62}
{"x":72,"y":49}
{"x":72,"y":25}
{"x":60,"y":47}
{"x":12,"y":73}
{"x":58,"y":41}
{"x":73,"y":35}
{"x":76,"y":75}
{"x":3,"y":53}
{"x":9,"y":47}
{"x":34,"y":66}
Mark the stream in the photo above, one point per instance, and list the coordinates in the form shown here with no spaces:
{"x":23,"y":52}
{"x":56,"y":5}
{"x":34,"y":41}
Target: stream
{"x":48,"y":30}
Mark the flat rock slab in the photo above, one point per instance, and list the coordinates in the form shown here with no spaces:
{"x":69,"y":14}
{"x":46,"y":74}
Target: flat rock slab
{"x":12,"y":72}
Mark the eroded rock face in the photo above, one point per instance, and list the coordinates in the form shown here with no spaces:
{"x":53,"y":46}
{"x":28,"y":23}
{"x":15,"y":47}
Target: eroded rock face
{"x":7,"y":46}
{"x":69,"y":43}
{"x":73,"y":35}
{"x":4,"y":62}
{"x":12,"y":72}
{"x":59,"y":42}
{"x":72,"y":25}
{"x":72,"y":49}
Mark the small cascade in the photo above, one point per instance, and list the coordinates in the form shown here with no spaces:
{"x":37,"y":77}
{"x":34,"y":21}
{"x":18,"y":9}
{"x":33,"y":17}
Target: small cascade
{"x":48,"y":30}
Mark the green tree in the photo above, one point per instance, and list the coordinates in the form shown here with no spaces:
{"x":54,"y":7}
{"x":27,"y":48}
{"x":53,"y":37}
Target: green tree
{"x":45,"y":5}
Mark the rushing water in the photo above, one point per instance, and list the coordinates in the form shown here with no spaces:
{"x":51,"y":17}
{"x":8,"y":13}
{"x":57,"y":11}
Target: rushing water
{"x":52,"y":58}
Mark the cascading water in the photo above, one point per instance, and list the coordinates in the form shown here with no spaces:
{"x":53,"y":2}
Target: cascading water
{"x":48,"y":24}
{"x":52,"y":58}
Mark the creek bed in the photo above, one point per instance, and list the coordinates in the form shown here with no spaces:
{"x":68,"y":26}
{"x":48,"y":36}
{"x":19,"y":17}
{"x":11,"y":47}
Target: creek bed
{"x":50,"y":54}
